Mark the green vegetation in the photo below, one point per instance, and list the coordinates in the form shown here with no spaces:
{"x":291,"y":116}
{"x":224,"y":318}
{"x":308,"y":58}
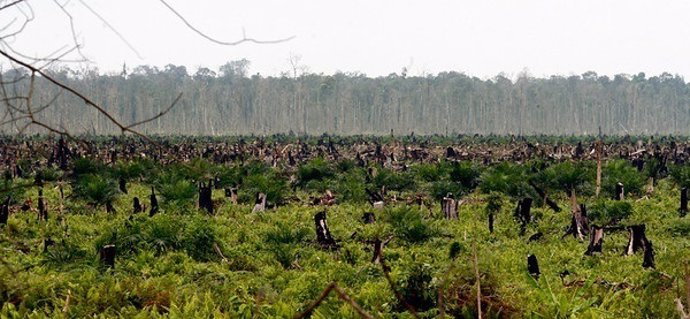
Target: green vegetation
{"x":185,"y":263}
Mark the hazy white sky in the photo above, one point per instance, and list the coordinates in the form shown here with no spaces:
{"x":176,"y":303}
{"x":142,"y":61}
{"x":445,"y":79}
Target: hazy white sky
{"x":480,"y":38}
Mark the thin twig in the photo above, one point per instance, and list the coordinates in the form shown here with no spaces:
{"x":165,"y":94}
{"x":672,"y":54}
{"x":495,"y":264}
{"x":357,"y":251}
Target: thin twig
{"x":244,"y":38}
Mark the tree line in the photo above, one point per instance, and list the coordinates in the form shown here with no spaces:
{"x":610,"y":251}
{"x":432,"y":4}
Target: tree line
{"x":231,"y":102}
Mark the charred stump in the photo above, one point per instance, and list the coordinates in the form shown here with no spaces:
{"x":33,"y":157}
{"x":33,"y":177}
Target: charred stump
{"x":579,"y":224}
{"x":154,"y":203}
{"x":368,"y":218}
{"x":123,"y":185}
{"x":107,"y":255}
{"x":47,"y":242}
{"x":596,"y":240}
{"x":323,"y":234}
{"x":636,"y":239}
{"x":533,"y":266}
{"x":449,"y":207}
{"x":5,"y":211}
{"x":491,"y":222}
{"x":648,"y":261}
{"x":42,"y":210}
{"x":523,"y":213}
{"x":620,"y":192}
{"x":109,"y":208}
{"x":206,"y":197}
{"x":137,"y":206}
{"x":259,"y":203}
{"x":683,"y":202}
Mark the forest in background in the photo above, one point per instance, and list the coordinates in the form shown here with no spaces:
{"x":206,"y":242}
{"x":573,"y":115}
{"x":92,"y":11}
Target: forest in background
{"x":231,"y":102}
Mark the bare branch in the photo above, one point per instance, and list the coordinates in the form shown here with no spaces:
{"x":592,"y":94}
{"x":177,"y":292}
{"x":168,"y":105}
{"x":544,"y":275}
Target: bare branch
{"x":324,"y":294}
{"x":112,"y":28}
{"x":199,"y":32}
{"x":11,"y":4}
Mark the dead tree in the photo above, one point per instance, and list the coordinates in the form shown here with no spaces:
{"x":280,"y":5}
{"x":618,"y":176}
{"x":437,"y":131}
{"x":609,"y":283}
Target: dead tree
{"x":5,"y":211}
{"x":259,"y":203}
{"x":683,"y":202}
{"x":107,"y":255}
{"x":323,"y":234}
{"x":596,"y":240}
{"x":533,"y":266}
{"x":620,"y":192}
{"x":137,"y":206}
{"x":449,"y":207}
{"x":154,"y":203}
{"x":206,"y":197}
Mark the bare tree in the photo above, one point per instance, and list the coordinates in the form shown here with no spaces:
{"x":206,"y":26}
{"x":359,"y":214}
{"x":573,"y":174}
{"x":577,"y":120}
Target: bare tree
{"x":19,"y":107}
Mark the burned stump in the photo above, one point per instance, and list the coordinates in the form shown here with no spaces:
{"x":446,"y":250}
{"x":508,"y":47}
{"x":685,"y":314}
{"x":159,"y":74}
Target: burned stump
{"x":107,"y":255}
{"x":533,"y":266}
{"x":154,"y":203}
{"x":368,"y":218}
{"x":596,"y":240}
{"x":523,"y":213}
{"x":136,"y":206}
{"x":683,"y":202}
{"x":42,"y":210}
{"x":206,"y":197}
{"x":620,"y":192}
{"x":5,"y":211}
{"x":323,"y":234}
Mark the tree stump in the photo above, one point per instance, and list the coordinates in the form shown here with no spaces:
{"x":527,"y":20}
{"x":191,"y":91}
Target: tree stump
{"x":648,"y":261}
{"x":523,"y":213}
{"x":123,"y":185}
{"x":449,"y":207}
{"x":42,"y":210}
{"x":107,"y":255}
{"x":137,"y":206}
{"x":154,"y":203}
{"x":5,"y":211}
{"x":323,"y":234}
{"x":259,"y":203}
{"x":533,"y":266}
{"x":596,"y":240}
{"x":620,"y":192}
{"x":636,"y":239}
{"x":368,"y":218}
{"x":683,"y":202}
{"x":206,"y":197}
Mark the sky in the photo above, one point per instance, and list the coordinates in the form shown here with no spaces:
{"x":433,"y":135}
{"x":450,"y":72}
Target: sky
{"x":480,"y":38}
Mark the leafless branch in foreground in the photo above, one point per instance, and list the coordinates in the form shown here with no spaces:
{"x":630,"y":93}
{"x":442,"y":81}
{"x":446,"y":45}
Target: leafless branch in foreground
{"x":341,"y":294}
